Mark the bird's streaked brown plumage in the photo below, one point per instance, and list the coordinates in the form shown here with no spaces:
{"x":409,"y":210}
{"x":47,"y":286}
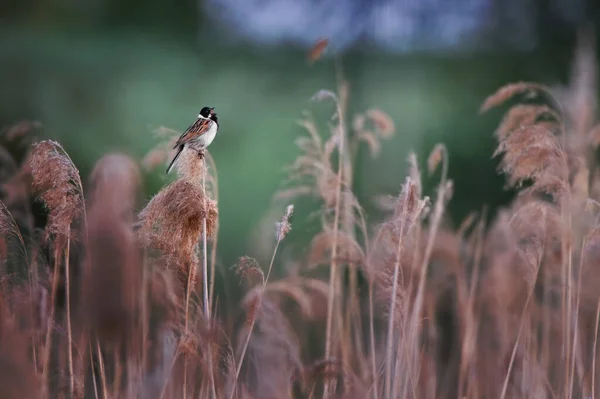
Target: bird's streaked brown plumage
{"x":198,"y":135}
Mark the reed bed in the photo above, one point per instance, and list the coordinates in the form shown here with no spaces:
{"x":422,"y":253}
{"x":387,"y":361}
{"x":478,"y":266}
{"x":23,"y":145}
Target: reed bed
{"x":105,"y":296}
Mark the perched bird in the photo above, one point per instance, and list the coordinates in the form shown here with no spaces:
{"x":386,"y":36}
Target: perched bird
{"x":199,"y":135}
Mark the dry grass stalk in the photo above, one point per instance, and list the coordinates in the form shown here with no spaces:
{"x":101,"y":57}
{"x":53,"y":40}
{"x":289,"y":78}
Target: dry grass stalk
{"x":443,"y":196}
{"x":281,"y":230}
{"x":534,"y":153}
{"x":411,"y":208}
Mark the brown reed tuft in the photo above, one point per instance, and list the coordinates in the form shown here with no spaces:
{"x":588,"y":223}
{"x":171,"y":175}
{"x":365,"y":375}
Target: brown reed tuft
{"x":9,"y":228}
{"x":381,"y":127}
{"x":115,"y":182}
{"x":533,"y":153}
{"x":114,"y":267}
{"x":522,"y":115}
{"x":57,"y":179}
{"x":525,"y":89}
{"x":171,"y":223}
{"x":250,"y":272}
{"x":384,"y":124}
{"x":15,"y":190}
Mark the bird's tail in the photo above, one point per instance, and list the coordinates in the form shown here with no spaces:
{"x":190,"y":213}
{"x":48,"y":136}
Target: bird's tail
{"x":175,"y":158}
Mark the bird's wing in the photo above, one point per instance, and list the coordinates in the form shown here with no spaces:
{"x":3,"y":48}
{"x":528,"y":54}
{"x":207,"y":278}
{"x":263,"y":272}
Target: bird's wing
{"x":196,"y":129}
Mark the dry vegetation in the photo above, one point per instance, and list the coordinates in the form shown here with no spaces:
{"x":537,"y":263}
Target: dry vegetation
{"x":101,"y":299}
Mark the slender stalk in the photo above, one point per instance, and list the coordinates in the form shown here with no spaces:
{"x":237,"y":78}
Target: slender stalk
{"x":390,"y":330}
{"x":434,"y":226}
{"x":213,"y":267}
{"x":94,"y":383}
{"x":575,"y":334}
{"x":372,"y":338}
{"x":471,"y":319}
{"x":190,"y":282}
{"x":165,"y":386}
{"x":205,"y":282}
{"x":521,"y":324}
{"x":69,"y":329}
{"x":569,"y":310}
{"x":213,"y":247}
{"x":145,"y":321}
{"x":333,"y":274}
{"x":50,"y":323}
{"x":594,"y":352}
{"x":118,"y":373}
{"x":253,"y":321}
{"x":102,"y":372}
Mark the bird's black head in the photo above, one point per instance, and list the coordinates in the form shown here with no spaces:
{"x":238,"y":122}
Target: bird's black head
{"x":208,"y":112}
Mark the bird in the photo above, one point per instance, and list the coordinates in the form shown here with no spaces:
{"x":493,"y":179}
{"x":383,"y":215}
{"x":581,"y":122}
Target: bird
{"x":199,"y":135}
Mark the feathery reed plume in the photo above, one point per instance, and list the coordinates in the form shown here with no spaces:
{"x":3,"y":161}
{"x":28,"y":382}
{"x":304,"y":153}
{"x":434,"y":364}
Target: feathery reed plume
{"x":528,"y":115}
{"x":381,"y":127}
{"x":15,"y":189}
{"x":283,"y":227}
{"x":527,"y":90}
{"x":534,"y":153}
{"x":172,"y":223}
{"x":529,"y":143}
{"x":57,"y":178}
{"x":8,"y":227}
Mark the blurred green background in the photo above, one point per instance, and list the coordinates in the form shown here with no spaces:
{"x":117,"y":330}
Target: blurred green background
{"x":101,"y":76}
